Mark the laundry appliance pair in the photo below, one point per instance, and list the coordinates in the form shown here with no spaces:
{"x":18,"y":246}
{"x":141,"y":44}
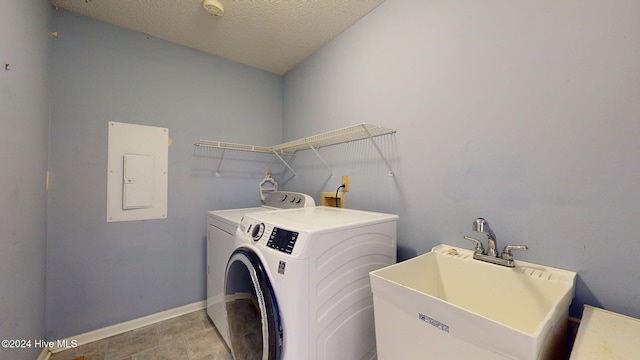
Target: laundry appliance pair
{"x":221,"y":229}
{"x":296,"y":283}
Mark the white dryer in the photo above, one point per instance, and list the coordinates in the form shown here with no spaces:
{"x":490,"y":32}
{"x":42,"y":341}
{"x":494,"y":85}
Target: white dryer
{"x":221,"y":227}
{"x":297,"y":284}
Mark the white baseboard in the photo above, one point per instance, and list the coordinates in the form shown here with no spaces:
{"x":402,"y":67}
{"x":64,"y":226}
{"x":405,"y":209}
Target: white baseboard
{"x":45,"y":354}
{"x":116,"y":329}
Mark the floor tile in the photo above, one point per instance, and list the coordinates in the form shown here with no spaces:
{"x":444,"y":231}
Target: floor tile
{"x":188,"y":337}
{"x":180,"y":326}
{"x":131,"y":342}
{"x":205,"y":343}
{"x":172,"y":350}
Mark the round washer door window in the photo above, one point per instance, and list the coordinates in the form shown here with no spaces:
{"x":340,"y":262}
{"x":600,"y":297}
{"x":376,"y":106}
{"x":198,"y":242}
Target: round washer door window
{"x":255,"y":331}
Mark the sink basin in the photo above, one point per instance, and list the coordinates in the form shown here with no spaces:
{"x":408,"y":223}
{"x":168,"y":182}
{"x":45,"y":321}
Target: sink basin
{"x":446,"y":305}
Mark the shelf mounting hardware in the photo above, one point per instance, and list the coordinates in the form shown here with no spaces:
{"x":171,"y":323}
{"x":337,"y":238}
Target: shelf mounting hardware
{"x":321,"y":159}
{"x":284,"y":162}
{"x":220,"y":163}
{"x":378,"y":149}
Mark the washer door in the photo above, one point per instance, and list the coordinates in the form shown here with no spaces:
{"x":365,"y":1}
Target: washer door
{"x":252,"y":310}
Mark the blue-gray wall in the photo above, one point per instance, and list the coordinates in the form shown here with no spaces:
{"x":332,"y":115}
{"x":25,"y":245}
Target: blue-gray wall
{"x":24,"y":118}
{"x":100,"y":273}
{"x":522,"y":112}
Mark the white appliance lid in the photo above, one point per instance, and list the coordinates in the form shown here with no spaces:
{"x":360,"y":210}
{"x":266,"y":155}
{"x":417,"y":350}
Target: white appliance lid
{"x":233,"y":216}
{"x":320,"y":218}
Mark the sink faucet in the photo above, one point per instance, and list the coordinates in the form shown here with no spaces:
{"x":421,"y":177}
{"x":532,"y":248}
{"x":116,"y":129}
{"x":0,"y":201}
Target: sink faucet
{"x":491,"y":255}
{"x":482,"y":226}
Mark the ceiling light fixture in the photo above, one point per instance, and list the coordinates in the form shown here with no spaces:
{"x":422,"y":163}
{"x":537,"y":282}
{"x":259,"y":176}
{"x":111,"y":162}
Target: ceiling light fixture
{"x":213,"y":7}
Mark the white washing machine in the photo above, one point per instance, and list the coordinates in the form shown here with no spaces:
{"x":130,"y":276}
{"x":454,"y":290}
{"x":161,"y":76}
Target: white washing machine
{"x":221,"y":227}
{"x":297,"y":284}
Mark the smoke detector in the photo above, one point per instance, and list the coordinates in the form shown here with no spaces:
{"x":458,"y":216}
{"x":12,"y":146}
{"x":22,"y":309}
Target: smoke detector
{"x":213,"y":7}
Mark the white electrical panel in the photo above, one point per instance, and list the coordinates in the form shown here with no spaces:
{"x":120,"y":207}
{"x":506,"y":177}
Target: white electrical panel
{"x":137,"y":173}
{"x":138,"y":181}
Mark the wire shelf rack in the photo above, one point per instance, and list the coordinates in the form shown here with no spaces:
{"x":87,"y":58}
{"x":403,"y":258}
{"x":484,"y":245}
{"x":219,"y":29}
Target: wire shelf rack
{"x":314,"y":142}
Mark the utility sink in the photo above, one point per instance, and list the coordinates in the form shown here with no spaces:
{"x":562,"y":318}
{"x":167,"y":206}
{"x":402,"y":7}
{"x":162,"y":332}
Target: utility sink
{"x":446,"y":305}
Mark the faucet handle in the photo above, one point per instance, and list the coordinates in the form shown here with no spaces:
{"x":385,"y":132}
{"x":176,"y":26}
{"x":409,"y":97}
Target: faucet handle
{"x":479,"y":248}
{"x":506,"y":253}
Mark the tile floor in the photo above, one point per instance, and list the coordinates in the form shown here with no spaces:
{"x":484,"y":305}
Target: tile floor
{"x":188,"y":337}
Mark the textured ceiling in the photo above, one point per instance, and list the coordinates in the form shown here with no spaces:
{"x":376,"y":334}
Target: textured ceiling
{"x":273,"y":35}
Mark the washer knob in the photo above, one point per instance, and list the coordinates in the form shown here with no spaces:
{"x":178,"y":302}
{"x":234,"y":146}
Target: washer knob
{"x":258,"y":230}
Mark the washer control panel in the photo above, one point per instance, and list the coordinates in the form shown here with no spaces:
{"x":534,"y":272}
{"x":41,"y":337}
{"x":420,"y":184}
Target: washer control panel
{"x":288,"y":200}
{"x":274,"y":237}
{"x":282,"y":240}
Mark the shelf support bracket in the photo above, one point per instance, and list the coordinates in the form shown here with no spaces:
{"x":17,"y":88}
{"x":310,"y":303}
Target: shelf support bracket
{"x":321,"y":159}
{"x":377,"y":149}
{"x":285,"y":163}
{"x":220,"y":163}
{"x":273,"y":160}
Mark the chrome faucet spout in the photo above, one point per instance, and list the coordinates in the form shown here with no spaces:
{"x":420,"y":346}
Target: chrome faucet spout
{"x":492,"y":255}
{"x":482,"y":226}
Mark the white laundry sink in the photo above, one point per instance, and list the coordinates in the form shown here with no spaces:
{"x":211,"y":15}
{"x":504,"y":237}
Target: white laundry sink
{"x":446,"y":305}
